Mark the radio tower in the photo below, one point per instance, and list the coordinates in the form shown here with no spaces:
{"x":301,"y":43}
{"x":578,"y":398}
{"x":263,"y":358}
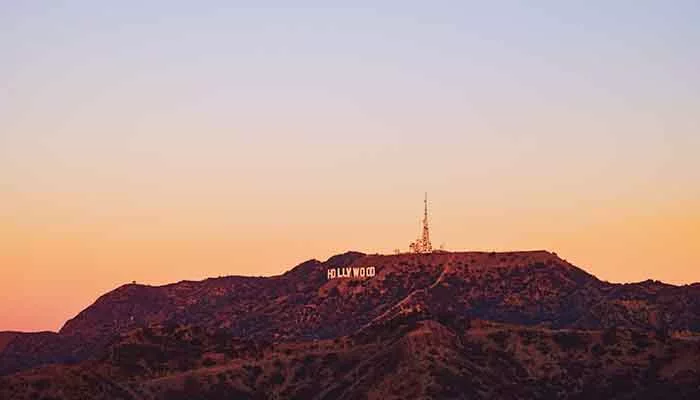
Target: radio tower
{"x":422,"y":244}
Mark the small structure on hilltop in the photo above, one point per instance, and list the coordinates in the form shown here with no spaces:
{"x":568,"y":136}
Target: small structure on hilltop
{"x":422,"y":244}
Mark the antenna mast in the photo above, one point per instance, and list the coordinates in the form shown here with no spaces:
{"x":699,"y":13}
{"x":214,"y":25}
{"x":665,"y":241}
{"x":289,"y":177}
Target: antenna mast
{"x":422,"y":244}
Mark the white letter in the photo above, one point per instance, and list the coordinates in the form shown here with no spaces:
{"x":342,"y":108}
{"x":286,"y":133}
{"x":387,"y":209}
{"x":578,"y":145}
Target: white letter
{"x":370,"y":271}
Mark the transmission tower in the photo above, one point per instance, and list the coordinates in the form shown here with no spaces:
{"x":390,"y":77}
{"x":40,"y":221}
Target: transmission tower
{"x":422,"y":244}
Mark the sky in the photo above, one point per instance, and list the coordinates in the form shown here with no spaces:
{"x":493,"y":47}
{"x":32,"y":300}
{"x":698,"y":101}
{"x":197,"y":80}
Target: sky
{"x":160,"y":141}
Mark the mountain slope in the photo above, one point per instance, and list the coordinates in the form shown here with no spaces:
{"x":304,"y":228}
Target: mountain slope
{"x":405,"y":357}
{"x":534,"y":289}
{"x":6,"y":338}
{"x":518,"y":287}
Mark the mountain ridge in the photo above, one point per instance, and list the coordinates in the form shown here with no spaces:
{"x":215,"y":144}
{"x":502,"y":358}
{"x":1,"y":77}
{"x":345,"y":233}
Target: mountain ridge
{"x":527,"y":289}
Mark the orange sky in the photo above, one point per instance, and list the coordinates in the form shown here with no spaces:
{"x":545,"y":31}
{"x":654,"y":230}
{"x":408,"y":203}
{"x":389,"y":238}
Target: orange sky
{"x":173,"y":141}
{"x":63,"y":255}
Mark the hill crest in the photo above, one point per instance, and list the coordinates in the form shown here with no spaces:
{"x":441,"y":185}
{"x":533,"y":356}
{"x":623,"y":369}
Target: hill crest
{"x":531,"y":288}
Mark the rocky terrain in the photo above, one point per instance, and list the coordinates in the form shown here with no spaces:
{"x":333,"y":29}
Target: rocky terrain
{"x":440,"y":325}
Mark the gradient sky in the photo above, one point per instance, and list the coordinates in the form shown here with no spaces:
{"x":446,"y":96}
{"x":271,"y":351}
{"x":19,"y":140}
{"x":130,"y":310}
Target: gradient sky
{"x":165,"y":140}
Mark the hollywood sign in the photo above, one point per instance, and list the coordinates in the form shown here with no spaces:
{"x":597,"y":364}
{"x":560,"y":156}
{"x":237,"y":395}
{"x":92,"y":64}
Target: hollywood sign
{"x":354,"y":272}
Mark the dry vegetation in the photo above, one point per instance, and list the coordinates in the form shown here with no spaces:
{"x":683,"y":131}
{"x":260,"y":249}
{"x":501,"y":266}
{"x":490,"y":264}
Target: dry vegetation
{"x":448,"y":325}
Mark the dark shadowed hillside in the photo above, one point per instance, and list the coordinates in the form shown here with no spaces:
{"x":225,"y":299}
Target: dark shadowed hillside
{"x":440,"y":325}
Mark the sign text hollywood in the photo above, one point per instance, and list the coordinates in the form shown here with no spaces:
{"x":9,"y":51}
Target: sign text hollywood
{"x":351,"y":272}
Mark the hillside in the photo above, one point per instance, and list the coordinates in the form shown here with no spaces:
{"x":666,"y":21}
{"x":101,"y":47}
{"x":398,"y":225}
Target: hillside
{"x":525,"y":323}
{"x":403,"y":358}
{"x":7,"y":337}
{"x":518,"y":287}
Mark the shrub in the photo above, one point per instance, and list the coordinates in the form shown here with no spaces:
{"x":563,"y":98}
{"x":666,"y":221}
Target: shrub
{"x":569,"y":340}
{"x":208,"y":362}
{"x":597,"y":350}
{"x":499,"y":337}
{"x":610,"y":337}
{"x":640,"y":340}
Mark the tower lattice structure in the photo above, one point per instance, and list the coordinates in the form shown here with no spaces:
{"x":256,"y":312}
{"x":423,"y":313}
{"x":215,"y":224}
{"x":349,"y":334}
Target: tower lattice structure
{"x":422,"y":244}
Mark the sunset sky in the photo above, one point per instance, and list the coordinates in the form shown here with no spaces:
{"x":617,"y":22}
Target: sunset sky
{"x":166,"y":140}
